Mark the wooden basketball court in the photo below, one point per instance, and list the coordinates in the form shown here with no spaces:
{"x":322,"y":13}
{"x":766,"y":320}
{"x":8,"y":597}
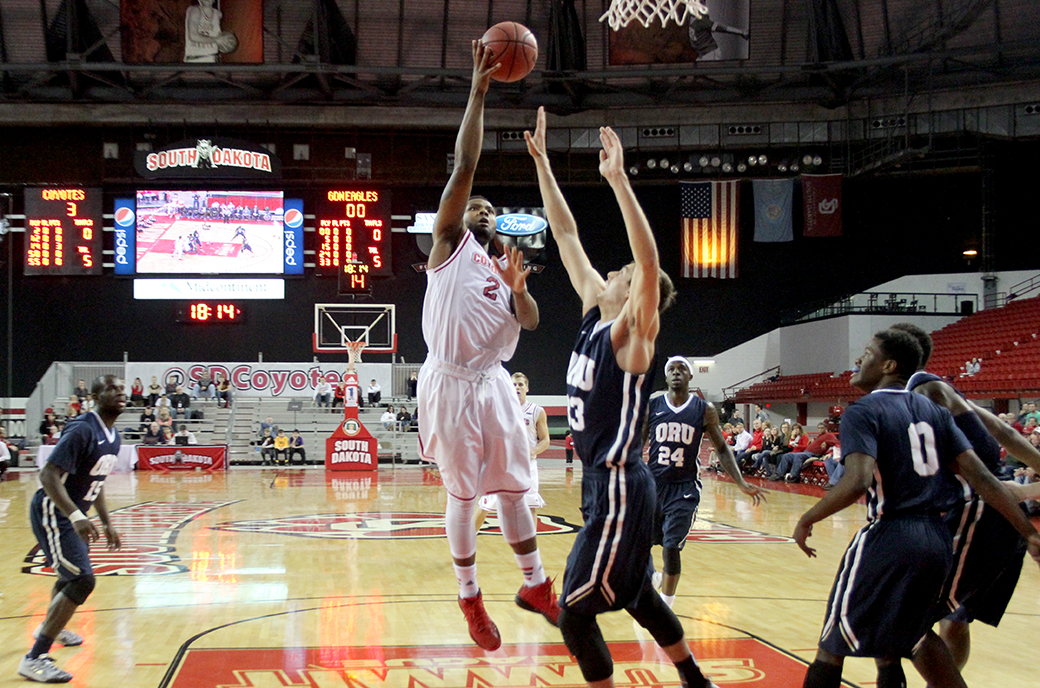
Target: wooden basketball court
{"x":298,"y":577}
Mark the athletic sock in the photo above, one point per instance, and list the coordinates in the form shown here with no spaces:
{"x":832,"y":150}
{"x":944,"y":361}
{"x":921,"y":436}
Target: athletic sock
{"x":467,"y":577}
{"x":891,"y":676}
{"x":531,"y":565}
{"x":41,"y":647}
{"x":690,"y":674}
{"x":822,"y":675}
{"x":668,"y":599}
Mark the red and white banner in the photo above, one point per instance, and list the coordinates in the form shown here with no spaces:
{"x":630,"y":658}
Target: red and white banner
{"x":181,"y":457}
{"x":821,"y":195}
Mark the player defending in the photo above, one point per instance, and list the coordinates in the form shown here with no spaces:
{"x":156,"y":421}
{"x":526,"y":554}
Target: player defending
{"x":897,"y":447}
{"x":537,"y":426}
{"x":609,"y":380}
{"x":72,"y":479}
{"x":470,"y":422}
{"x":676,"y":422}
{"x":987,"y":550}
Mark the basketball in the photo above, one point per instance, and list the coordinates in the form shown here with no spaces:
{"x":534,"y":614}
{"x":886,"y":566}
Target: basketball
{"x":227,"y":42}
{"x":514,"y":46}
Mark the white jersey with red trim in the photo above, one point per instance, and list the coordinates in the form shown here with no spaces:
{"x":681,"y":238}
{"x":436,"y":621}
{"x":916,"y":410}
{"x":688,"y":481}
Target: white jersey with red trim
{"x":468,"y":317}
{"x":531,"y":412}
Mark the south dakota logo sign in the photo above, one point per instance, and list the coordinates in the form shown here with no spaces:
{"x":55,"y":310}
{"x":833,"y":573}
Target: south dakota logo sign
{"x":366,"y":526}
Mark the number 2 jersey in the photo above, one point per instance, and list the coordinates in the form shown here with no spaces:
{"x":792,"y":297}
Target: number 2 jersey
{"x":605,"y":405}
{"x":675,"y":438}
{"x":87,"y":452}
{"x":913,"y":441}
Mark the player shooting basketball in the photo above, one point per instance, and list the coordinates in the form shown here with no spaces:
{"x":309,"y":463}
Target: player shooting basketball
{"x":470,"y":422}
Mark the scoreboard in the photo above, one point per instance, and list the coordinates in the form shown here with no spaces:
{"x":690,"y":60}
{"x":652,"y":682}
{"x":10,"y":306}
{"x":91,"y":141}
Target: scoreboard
{"x":63,"y":231}
{"x":353,"y":227}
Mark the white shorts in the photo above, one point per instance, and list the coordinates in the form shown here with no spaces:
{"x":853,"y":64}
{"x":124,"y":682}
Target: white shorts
{"x":471,"y":425}
{"x":532,"y":499}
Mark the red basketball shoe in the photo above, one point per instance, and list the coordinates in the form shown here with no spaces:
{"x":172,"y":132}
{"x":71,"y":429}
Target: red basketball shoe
{"x":541,"y":599}
{"x":481,"y":628}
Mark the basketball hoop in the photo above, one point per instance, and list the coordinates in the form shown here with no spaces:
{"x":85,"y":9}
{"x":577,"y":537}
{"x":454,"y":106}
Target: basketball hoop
{"x":622,"y":12}
{"x":354,"y":353}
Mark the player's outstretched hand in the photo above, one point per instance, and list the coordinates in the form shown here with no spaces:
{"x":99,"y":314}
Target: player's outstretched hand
{"x":802,"y":532}
{"x":513,"y":272}
{"x":756,"y":493}
{"x":612,"y":157}
{"x":536,"y":141}
{"x":483,"y":67}
{"x":112,"y":536}
{"x":86,"y":530}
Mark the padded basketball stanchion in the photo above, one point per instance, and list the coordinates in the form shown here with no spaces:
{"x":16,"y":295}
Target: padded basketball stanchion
{"x":351,"y":447}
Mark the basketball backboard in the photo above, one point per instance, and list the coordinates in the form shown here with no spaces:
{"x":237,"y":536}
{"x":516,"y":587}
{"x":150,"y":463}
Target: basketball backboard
{"x":336,"y":324}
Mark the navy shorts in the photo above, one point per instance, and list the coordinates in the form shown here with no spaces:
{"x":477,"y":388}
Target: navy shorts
{"x":65,"y":550}
{"x":610,"y":561}
{"x":676,"y":509}
{"x":887,"y":588}
{"x":987,"y":560}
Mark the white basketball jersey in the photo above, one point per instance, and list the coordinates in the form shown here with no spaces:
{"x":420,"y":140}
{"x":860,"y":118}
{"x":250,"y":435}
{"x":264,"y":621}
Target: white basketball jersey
{"x":467,"y":314}
{"x":531,"y":411}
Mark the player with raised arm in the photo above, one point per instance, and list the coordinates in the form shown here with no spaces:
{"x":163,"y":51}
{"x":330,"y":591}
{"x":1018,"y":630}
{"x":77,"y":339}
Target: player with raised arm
{"x":987,"y":550}
{"x":71,"y":481}
{"x":676,"y":421}
{"x":470,"y":422}
{"x":897,"y":448}
{"x":609,"y":379}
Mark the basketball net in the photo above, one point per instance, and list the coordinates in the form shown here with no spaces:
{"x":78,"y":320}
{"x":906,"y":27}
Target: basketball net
{"x":354,"y":353}
{"x":622,"y":12}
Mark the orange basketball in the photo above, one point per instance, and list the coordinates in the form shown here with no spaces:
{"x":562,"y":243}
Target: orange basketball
{"x":514,"y":46}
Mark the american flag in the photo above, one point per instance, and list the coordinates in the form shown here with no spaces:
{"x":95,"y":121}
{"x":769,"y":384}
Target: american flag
{"x":709,"y":222}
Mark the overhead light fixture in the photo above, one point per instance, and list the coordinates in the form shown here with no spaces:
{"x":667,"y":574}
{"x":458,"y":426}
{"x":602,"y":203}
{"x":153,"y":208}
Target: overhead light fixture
{"x":703,"y":161}
{"x":727,"y":167}
{"x":674,"y":169}
{"x":807,"y":160}
{"x":688,"y":166}
{"x":970,"y":253}
{"x":665,"y":164}
{"x":752,"y":160}
{"x":817,"y":160}
{"x":715,"y":161}
{"x":633,"y":170}
{"x":762,"y":159}
{"x":651,"y":164}
{"x":782,"y":166}
{"x":794,"y":166}
{"x":741,"y":167}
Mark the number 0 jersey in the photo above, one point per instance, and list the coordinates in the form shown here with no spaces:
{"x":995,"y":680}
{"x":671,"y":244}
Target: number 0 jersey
{"x":675,"y":438}
{"x":87,"y":452}
{"x":605,"y":404}
{"x":913,"y":441}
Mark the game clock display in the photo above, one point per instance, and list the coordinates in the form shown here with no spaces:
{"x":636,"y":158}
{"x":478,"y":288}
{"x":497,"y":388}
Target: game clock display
{"x":62,"y":231}
{"x":210,"y":312}
{"x":353,"y":227}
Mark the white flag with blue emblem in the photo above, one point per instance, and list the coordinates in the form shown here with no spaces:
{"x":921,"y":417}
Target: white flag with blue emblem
{"x":773,"y":209}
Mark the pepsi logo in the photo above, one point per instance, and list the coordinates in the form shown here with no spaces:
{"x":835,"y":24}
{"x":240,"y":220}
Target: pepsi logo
{"x":125,"y":217}
{"x":293,"y":218}
{"x":518,"y":224}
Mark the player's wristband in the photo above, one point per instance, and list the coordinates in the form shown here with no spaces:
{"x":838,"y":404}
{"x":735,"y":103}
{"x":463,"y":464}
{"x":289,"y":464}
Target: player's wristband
{"x":77,"y":515}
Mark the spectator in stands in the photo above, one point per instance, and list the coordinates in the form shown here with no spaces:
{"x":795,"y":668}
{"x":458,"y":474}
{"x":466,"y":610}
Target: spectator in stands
{"x":323,"y":393}
{"x":171,"y":387}
{"x":154,"y":390}
{"x":266,"y":444}
{"x":54,"y":432}
{"x":87,"y":404}
{"x":375,"y":392}
{"x":163,"y":417}
{"x":267,"y":424}
{"x":790,"y":464}
{"x":727,"y":433}
{"x":184,"y":436}
{"x":180,"y":403}
{"x":223,"y":391}
{"x":72,"y":408}
{"x":835,"y":468}
{"x":744,"y":457}
{"x":6,"y":441}
{"x":1030,"y":426}
{"x":163,"y":402}
{"x":153,"y":434}
{"x":1028,"y":411}
{"x":203,"y":383}
{"x":81,"y":390}
{"x":760,"y":413}
{"x":742,"y":439}
{"x":47,"y":422}
{"x":388,"y":418}
{"x":414,"y":426}
{"x":797,"y":441}
{"x":404,"y":418}
{"x":281,"y":448}
{"x":167,"y":434}
{"x":137,"y":392}
{"x":413,"y":385}
{"x":5,"y":458}
{"x":147,"y":418}
{"x":736,"y":417}
{"x":772,"y":445}
{"x":296,"y":447}
{"x":339,"y":394}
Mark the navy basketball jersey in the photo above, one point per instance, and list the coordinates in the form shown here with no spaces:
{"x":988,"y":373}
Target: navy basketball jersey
{"x":87,"y":452}
{"x":970,"y":424}
{"x":605,"y":405}
{"x":675,"y":438}
{"x":913,"y":442}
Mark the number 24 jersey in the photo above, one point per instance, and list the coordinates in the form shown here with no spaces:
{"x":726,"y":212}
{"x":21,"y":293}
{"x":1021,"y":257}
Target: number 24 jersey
{"x":675,"y":438}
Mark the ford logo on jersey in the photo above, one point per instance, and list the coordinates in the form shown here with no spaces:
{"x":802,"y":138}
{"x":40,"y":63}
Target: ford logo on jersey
{"x":124,"y":217}
{"x":518,"y":224}
{"x":293,"y":218}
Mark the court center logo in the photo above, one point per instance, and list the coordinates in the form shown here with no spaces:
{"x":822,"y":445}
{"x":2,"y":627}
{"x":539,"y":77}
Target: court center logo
{"x":365,"y":526}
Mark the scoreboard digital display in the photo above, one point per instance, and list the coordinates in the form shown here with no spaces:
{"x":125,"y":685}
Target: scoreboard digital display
{"x":63,"y":231}
{"x":202,"y":312}
{"x":353,"y":227}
